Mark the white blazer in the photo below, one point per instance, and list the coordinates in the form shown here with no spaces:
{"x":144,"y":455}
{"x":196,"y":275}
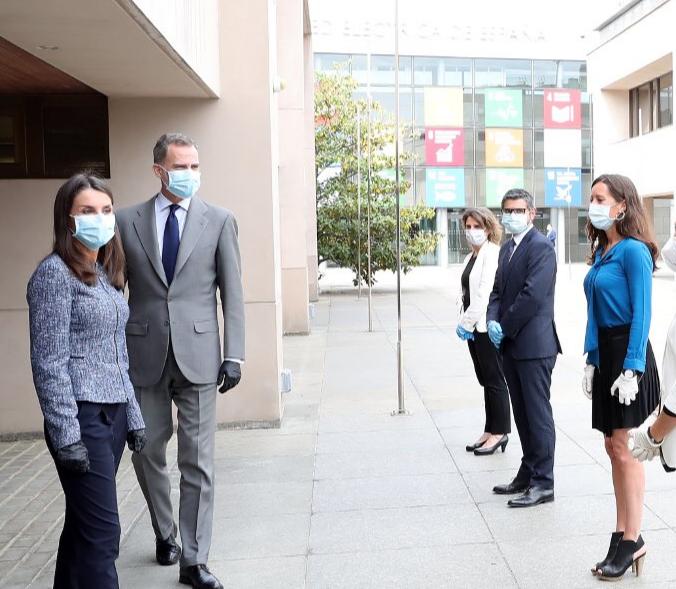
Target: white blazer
{"x":481,"y":280}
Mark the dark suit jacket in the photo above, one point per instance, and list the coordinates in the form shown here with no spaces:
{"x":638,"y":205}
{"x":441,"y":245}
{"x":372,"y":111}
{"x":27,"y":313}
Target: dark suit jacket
{"x":522,"y":300}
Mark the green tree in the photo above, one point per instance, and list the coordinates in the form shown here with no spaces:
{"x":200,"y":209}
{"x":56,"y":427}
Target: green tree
{"x":336,"y":115}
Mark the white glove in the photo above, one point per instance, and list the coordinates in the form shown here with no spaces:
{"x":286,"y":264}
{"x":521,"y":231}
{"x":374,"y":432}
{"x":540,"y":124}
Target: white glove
{"x":639,"y":443}
{"x":626,"y":388}
{"x":588,"y":380}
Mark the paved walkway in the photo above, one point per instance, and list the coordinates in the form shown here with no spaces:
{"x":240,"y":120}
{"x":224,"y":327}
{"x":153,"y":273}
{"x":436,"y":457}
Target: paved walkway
{"x":344,"y":495}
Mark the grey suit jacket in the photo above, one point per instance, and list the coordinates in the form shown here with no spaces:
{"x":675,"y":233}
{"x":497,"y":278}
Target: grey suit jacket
{"x":208,"y":259}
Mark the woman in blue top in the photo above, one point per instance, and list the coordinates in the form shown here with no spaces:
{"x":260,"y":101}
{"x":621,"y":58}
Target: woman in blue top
{"x":79,"y":358}
{"x":621,"y":375}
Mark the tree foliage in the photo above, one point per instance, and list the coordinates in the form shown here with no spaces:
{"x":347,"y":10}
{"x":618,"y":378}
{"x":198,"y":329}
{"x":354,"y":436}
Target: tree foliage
{"x":336,"y":139}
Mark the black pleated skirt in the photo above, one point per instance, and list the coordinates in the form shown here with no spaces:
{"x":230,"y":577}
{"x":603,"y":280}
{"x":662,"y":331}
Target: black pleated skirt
{"x":607,"y":412}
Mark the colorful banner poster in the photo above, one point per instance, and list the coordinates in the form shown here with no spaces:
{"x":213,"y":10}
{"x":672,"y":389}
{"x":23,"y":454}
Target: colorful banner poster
{"x":499,"y":181}
{"x":563,"y":109}
{"x":563,"y":148}
{"x":504,"y":148}
{"x":445,"y":187}
{"x":444,"y":147}
{"x":563,"y":187}
{"x":443,"y":107}
{"x":503,"y":108}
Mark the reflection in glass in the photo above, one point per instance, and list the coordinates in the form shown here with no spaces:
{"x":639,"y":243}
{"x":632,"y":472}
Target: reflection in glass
{"x":7,"y":140}
{"x":498,"y":73}
{"x":441,"y":71}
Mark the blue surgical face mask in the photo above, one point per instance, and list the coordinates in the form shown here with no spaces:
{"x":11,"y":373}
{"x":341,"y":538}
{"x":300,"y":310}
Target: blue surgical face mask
{"x":183,"y":183}
{"x":599,"y":216}
{"x":94,"y":231}
{"x":515,"y":223}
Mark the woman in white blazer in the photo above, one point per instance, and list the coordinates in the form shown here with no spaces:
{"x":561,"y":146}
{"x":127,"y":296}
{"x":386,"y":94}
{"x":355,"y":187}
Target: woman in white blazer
{"x":483,"y":233}
{"x":656,"y":437}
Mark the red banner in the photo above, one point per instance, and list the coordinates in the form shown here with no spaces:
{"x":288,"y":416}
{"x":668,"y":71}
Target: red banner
{"x":444,"y":146}
{"x":562,"y":109}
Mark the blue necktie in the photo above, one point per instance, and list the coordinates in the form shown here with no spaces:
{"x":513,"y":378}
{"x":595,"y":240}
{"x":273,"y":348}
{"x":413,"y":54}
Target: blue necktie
{"x":170,"y":244}
{"x":510,"y":250}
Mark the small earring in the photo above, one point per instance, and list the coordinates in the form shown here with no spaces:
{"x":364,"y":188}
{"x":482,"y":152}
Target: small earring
{"x":621,"y":215}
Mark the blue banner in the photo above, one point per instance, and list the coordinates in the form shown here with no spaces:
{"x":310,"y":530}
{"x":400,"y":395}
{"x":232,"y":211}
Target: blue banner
{"x":563,"y":187}
{"x":445,"y":187}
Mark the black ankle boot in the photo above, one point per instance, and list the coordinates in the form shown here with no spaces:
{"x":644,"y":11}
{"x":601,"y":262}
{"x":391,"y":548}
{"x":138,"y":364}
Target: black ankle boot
{"x":615,"y":538}
{"x":623,"y":559}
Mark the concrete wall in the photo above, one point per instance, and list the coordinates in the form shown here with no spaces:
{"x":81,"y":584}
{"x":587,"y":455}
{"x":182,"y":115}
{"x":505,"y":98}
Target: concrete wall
{"x":292,"y":176}
{"x":636,"y":55}
{"x":310,"y":173}
{"x":192,"y":30}
{"x":237,"y":136}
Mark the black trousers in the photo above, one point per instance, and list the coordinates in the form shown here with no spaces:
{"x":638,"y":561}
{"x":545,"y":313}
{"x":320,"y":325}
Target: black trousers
{"x":529,"y":383}
{"x":488,"y":369}
{"x":90,"y":540}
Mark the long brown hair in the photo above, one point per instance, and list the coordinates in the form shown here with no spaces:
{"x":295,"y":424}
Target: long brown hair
{"x":634,"y":223}
{"x":111,"y":255}
{"x":487,"y":220}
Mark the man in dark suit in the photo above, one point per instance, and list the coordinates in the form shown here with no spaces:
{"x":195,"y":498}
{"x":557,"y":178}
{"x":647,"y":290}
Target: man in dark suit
{"x":521,"y":324}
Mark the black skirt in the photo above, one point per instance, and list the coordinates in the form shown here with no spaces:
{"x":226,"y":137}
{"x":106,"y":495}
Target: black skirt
{"x":607,"y":412}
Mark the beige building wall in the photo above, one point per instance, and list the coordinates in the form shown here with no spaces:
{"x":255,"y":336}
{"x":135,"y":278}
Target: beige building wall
{"x":309,"y":165}
{"x":625,"y":59}
{"x":292,"y":177}
{"x":237,"y":136}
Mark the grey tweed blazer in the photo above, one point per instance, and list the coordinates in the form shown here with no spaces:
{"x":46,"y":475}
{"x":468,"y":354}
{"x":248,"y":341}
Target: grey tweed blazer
{"x":78,"y":348}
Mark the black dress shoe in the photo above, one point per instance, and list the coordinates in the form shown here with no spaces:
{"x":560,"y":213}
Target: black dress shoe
{"x":488,"y":450}
{"x":199,"y":577}
{"x":533,"y":496}
{"x":511,"y":488}
{"x":472,"y":447}
{"x":167,"y":552}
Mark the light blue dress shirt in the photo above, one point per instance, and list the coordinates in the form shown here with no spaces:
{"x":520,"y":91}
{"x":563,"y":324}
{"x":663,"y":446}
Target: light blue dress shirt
{"x":618,"y":288}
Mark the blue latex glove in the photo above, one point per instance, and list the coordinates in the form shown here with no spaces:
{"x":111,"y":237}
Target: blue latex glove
{"x":463,"y":334}
{"x":495,"y":333}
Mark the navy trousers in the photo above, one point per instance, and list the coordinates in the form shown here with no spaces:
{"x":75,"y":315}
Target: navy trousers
{"x":529,"y":383}
{"x":90,"y":540}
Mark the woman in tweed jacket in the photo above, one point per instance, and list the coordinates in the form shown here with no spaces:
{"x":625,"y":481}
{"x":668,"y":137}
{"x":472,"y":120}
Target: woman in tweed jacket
{"x":79,"y":360}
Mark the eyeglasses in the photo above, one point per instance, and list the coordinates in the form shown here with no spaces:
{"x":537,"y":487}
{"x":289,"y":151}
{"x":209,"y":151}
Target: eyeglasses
{"x":514,"y":211}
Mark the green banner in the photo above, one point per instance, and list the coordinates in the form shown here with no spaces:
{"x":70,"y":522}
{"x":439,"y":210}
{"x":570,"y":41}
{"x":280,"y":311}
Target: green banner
{"x":503,"y":108}
{"x":499,"y":181}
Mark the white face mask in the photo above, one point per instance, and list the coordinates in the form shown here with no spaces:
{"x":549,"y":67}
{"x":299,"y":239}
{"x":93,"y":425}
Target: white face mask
{"x":476,"y":236}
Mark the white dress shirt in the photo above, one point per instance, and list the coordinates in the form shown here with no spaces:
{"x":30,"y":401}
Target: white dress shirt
{"x":519,"y":238}
{"x":162,"y":204}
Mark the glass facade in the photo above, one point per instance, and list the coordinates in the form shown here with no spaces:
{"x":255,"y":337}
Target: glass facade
{"x":651,"y":105}
{"x":482,"y":126}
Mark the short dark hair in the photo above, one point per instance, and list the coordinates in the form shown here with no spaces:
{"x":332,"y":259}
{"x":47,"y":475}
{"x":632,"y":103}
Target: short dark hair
{"x":516,"y":194}
{"x":111,"y":255}
{"x":163,"y":143}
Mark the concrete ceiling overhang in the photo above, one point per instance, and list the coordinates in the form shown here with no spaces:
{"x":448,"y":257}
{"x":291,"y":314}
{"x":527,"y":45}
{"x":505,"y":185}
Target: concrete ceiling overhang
{"x":653,"y":70}
{"x":107,"y":44}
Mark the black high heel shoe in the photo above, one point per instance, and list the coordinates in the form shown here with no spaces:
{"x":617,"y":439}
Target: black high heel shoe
{"x":472,"y":447}
{"x":615,"y":538}
{"x":487,"y":450}
{"x":623,"y":559}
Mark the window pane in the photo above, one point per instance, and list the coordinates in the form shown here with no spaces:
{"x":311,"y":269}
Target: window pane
{"x":382,"y":69}
{"x":502,"y":72}
{"x":574,"y":74}
{"x":7,"y":140}
{"x":586,"y":149}
{"x":439,"y":71}
{"x":359,"y":69}
{"x":386,"y":98}
{"x":666,"y":99}
{"x":586,"y":100}
{"x":327,"y":62}
{"x":75,"y":138}
{"x":538,"y":109}
{"x":545,"y":74}
{"x":644,"y":113}
{"x":539,"y":148}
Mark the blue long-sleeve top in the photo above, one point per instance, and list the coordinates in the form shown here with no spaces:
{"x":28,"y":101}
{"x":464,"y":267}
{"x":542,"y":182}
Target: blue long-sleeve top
{"x":618,"y":288}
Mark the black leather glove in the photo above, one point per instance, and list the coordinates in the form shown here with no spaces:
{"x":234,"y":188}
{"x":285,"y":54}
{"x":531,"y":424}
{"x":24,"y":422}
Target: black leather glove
{"x":136,"y":440}
{"x":74,"y":457}
{"x":229,"y":375}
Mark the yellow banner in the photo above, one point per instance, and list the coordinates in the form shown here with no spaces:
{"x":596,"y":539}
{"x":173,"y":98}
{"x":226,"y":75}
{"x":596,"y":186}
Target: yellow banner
{"x":504,"y":148}
{"x":443,"y":107}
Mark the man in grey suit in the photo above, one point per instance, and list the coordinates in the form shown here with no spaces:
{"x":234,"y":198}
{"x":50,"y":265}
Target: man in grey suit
{"x":179,"y":251}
